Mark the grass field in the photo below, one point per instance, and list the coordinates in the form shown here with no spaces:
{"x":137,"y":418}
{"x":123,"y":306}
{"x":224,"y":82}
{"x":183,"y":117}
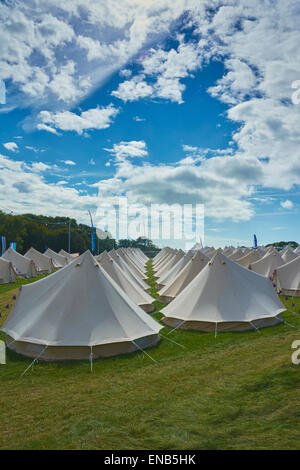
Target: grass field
{"x":236,"y":391}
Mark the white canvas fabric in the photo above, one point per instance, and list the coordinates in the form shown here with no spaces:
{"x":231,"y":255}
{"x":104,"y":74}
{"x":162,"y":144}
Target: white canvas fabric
{"x":297,"y":250}
{"x":172,"y":273}
{"x":23,"y":266}
{"x":58,"y":260}
{"x":140,"y":264}
{"x":128,"y":271}
{"x":42,"y":262}
{"x":138,"y":272}
{"x":225,"y":296}
{"x":168,"y":254}
{"x":267,"y":265}
{"x":78,"y":306}
{"x":136,"y":293}
{"x":287,"y":278}
{"x":7,"y":272}
{"x":169,"y":265}
{"x":251,"y":257}
{"x":69,"y":256}
{"x":288,"y":255}
{"x":236,"y":254}
{"x":183,"y":278}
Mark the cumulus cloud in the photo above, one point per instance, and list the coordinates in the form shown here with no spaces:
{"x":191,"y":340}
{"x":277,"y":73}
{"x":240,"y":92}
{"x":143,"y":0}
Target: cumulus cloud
{"x":95,"y":118}
{"x":26,"y":187}
{"x":287,"y":204}
{"x":12,"y":146}
{"x":131,"y":149}
{"x":167,"y":68}
{"x":69,"y":162}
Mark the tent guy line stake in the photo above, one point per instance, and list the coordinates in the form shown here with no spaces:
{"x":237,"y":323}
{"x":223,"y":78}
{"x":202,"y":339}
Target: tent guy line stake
{"x":258,"y":331}
{"x":34,"y":360}
{"x":176,"y":327}
{"x":287,"y":323}
{"x":144,"y":352}
{"x":172,"y":341}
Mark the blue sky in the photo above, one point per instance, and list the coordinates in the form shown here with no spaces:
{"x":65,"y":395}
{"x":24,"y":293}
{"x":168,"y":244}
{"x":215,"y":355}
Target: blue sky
{"x":172,"y":103}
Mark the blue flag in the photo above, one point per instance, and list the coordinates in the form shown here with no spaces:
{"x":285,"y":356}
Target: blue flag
{"x":255,"y":241}
{"x":3,"y":244}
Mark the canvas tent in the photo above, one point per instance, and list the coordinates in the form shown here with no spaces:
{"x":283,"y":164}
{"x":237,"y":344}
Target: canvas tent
{"x":136,"y":293}
{"x":23,"y":266}
{"x":267,"y":265}
{"x":7,"y":272}
{"x":288,"y":255}
{"x":225,"y":297}
{"x":128,"y":271}
{"x":69,"y":256}
{"x":183,"y":278}
{"x":172,"y":273}
{"x":76,"y":312}
{"x":58,"y":260}
{"x":249,"y":258}
{"x":287,"y":278}
{"x":42,"y":262}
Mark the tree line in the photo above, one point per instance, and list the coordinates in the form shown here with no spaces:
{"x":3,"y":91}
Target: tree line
{"x":42,"y":232}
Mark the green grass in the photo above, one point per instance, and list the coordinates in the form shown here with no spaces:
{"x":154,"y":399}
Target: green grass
{"x":236,"y":391}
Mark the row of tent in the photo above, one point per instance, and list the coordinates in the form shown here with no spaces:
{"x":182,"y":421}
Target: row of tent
{"x":174,"y":274}
{"x":96,"y":306}
{"x":14,"y":265}
{"x":82,"y":310}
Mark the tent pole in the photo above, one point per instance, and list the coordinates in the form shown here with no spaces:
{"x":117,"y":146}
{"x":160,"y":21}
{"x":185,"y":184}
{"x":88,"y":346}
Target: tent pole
{"x":216,"y":329}
{"x":91,"y":358}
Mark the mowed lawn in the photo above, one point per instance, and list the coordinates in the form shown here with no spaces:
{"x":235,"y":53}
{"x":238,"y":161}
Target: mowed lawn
{"x":235,"y":391}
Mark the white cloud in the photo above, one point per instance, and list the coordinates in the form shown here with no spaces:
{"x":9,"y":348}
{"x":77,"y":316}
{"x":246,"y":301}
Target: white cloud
{"x":69,"y":162}
{"x":132,"y":90}
{"x":12,"y":146}
{"x":130,"y":149}
{"x":26,"y":189}
{"x":287,"y":204}
{"x":167,"y":67}
{"x":95,"y":118}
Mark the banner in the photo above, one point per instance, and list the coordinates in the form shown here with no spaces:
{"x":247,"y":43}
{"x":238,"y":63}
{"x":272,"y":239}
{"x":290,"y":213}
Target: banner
{"x":255,"y":241}
{"x":3,"y":244}
{"x":13,"y":245}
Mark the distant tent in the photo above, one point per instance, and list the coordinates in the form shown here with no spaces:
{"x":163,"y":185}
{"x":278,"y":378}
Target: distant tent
{"x":288,"y":255}
{"x":183,"y":278}
{"x":7,"y":272}
{"x":267,"y":265}
{"x":23,"y":266}
{"x":128,"y":271}
{"x":287,"y":278}
{"x":137,"y":271}
{"x":165,"y":269}
{"x":76,"y":312}
{"x":172,"y":273}
{"x":251,"y":257}
{"x":69,"y":256}
{"x":225,"y":297}
{"x":136,"y":293}
{"x":42,"y":262}
{"x":236,"y":254}
{"x":58,"y":260}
